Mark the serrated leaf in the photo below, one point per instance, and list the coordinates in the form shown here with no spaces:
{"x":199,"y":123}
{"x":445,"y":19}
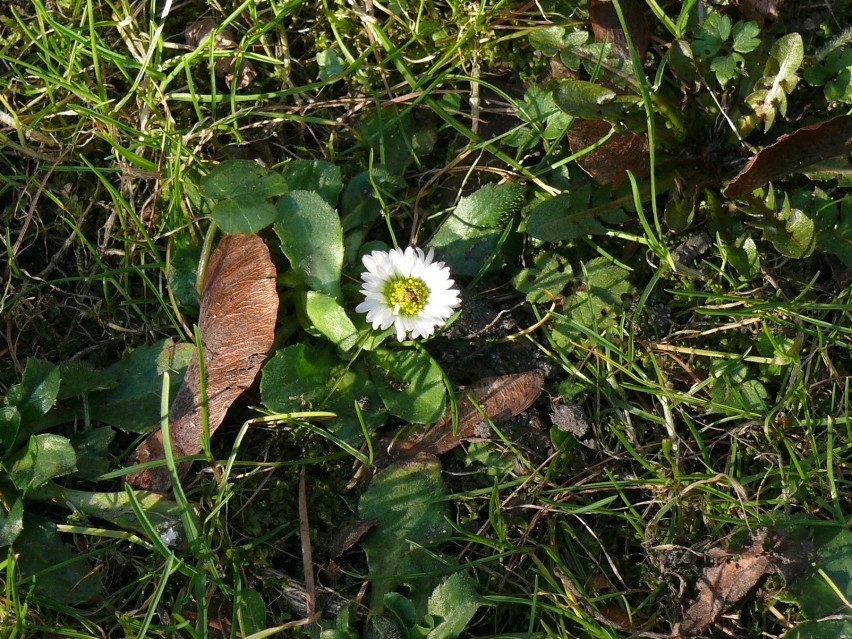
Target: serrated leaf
{"x":241,"y":190}
{"x":312,"y":239}
{"x":603,"y":291}
{"x":59,"y":573}
{"x":468,"y":237}
{"x":38,"y":390}
{"x":779,"y":78}
{"x":294,"y":377}
{"x":409,"y":501}
{"x":714,"y":31}
{"x":315,"y":175}
{"x":725,"y":68}
{"x":454,"y":602}
{"x":330,"y":65}
{"x":552,"y":39}
{"x":544,"y":281}
{"x":44,"y":457}
{"x":746,"y":37}
{"x":410,"y":384}
{"x":568,"y":217}
{"x":329,"y":318}
{"x":235,"y":179}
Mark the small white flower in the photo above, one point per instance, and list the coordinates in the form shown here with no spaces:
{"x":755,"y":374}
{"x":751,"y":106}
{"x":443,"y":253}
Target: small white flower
{"x":407,"y":290}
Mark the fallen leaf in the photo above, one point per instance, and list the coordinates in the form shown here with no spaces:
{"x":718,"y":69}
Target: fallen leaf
{"x":729,"y":582}
{"x":500,"y":398}
{"x":607,"y":27}
{"x":761,"y":11}
{"x":794,"y":152}
{"x":239,"y":306}
{"x":225,"y":68}
{"x":608,"y":163}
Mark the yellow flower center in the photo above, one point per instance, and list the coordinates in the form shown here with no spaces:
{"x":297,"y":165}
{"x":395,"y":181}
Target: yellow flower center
{"x":410,"y":293}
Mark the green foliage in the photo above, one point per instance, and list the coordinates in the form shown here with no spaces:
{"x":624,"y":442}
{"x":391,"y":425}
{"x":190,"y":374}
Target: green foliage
{"x":409,"y":502}
{"x":240,"y":191}
{"x":34,"y":462}
{"x":469,"y":237}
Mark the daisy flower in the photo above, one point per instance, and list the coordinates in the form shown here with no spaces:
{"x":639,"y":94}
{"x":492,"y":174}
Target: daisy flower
{"x":407,"y":290}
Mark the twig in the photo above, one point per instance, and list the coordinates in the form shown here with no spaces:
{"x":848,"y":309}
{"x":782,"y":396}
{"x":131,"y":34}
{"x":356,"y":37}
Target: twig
{"x":307,"y":558}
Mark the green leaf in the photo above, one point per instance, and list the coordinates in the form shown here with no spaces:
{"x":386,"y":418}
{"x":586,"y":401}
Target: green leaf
{"x":10,"y":424}
{"x":725,"y":68}
{"x":11,"y":519}
{"x":37,"y":392}
{"x":779,"y":78}
{"x":315,"y":175}
{"x":44,"y":457}
{"x":329,"y":318}
{"x":236,"y":179}
{"x":345,"y":388}
{"x":592,"y":101}
{"x":743,"y":256}
{"x":294,"y":378}
{"x":330,"y":65}
{"x":359,"y":205}
{"x":92,"y":449}
{"x":78,"y":378}
{"x":251,"y":611}
{"x":714,"y":31}
{"x":410,"y":384}
{"x":455,"y":602}
{"x":552,"y":39}
{"x":603,"y":291}
{"x":134,"y":404}
{"x":731,"y":396}
{"x":60,"y":574}
{"x":571,"y":216}
{"x":242,"y":189}
{"x":823,"y":629}
{"x":312,"y":239}
{"x":409,"y":502}
{"x":543,"y":281}
{"x":834,"y":226}
{"x":746,"y":36}
{"x":244,"y":215}
{"x":797,"y":238}
{"x":468,"y":237}
{"x":817,"y":594}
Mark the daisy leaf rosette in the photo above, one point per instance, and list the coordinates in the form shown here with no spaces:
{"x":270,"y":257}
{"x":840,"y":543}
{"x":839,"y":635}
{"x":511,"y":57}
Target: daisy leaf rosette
{"x":407,"y":289}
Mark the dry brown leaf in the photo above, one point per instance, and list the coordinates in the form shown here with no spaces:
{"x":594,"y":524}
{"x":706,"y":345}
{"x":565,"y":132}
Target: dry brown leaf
{"x":500,"y":398}
{"x":607,"y":27}
{"x":608,"y":163}
{"x":225,"y":68}
{"x":761,"y":11}
{"x":794,"y":152}
{"x":239,"y":306}
{"x":728,"y":583}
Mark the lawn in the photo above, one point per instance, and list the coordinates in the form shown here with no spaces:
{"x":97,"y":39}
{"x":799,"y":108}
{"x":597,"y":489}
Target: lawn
{"x":426,"y":319}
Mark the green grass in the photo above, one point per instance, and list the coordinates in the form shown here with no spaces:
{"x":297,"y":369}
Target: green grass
{"x":718,"y":400}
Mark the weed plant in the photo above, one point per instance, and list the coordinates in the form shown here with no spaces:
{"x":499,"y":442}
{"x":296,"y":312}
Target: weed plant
{"x":581,"y":168}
